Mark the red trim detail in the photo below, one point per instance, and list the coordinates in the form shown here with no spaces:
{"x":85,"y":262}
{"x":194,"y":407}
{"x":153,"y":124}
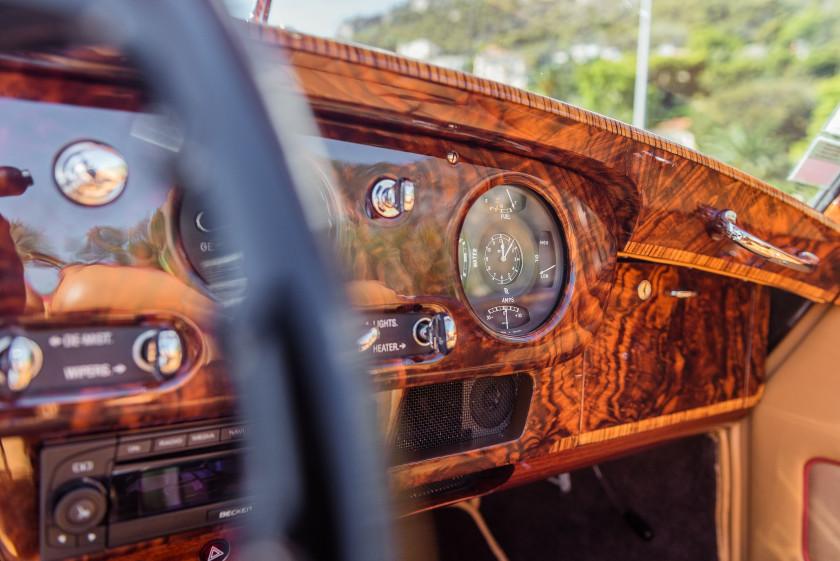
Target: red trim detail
{"x":808,"y":465}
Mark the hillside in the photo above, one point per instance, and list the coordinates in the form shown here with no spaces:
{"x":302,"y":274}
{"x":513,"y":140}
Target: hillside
{"x":752,"y":78}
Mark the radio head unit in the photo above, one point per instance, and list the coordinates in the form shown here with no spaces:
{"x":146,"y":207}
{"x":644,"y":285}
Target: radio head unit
{"x":124,"y":488}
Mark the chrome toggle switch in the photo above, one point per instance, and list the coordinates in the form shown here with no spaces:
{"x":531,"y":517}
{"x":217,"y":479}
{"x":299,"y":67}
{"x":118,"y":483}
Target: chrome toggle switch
{"x":21,"y":361}
{"x":170,"y":354}
{"x":438,"y":332}
{"x":159,"y":351}
{"x":392,"y":198}
{"x":367,"y":340}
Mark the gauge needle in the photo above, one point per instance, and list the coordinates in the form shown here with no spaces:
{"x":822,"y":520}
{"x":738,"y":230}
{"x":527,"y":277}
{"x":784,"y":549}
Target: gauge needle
{"x":547,"y":270}
{"x":507,"y":326}
{"x":512,"y":204}
{"x":504,"y":253}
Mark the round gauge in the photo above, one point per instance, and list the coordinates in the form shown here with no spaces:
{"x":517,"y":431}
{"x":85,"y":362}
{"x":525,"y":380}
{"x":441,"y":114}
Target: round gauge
{"x":516,"y":285}
{"x":503,"y":258}
{"x":208,"y":243}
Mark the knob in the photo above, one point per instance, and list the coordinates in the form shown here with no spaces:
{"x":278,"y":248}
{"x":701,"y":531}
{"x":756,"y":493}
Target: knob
{"x":159,"y":351}
{"x":14,"y":181}
{"x":170,"y":353}
{"x":81,"y":508}
{"x":90,"y":173}
{"x":20,"y":362}
{"x":390,"y":198}
{"x":438,"y":332}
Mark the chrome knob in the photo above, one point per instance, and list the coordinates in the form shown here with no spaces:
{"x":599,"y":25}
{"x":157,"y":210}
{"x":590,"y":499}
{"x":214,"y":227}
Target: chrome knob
{"x":90,"y":173}
{"x":390,"y":198}
{"x":438,"y":332}
{"x":22,"y":359}
{"x":170,"y":353}
{"x":159,"y":351}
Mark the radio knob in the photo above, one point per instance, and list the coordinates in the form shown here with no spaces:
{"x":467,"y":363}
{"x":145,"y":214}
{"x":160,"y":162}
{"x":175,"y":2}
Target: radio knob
{"x":81,"y":508}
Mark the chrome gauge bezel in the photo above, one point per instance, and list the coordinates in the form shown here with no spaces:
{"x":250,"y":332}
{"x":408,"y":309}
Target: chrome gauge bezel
{"x":518,"y":304}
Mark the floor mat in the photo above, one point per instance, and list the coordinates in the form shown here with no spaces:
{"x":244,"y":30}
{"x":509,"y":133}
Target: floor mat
{"x":673,"y":488}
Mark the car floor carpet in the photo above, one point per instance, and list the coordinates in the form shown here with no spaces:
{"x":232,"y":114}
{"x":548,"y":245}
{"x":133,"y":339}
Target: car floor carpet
{"x":673,"y":488}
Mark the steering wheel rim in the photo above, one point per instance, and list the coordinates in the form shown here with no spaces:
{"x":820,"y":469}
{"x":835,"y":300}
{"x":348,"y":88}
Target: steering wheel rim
{"x":294,"y":369}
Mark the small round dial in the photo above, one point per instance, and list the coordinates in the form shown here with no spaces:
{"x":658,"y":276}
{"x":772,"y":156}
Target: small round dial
{"x":503,"y":258}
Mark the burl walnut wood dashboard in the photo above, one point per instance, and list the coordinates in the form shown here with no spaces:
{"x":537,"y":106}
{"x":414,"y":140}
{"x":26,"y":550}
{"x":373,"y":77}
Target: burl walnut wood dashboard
{"x":594,"y":313}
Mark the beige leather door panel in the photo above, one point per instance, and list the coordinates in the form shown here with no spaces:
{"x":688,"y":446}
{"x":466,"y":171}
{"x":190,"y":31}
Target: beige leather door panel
{"x":797,"y":420}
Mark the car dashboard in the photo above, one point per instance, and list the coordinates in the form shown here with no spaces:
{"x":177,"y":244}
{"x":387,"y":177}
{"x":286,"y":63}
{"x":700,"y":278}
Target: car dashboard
{"x":536,"y":288}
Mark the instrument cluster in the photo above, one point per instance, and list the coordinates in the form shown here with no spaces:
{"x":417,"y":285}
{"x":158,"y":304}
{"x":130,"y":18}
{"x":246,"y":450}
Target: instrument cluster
{"x":512,"y":260}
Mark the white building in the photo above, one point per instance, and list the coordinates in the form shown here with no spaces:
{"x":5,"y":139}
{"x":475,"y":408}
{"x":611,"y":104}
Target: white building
{"x":495,"y":63}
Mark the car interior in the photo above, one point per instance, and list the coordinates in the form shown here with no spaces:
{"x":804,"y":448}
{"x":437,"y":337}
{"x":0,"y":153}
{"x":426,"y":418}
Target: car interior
{"x":270,"y":294}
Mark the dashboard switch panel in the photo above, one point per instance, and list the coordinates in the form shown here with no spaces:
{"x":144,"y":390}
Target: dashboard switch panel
{"x":65,"y":360}
{"x":400,"y":334}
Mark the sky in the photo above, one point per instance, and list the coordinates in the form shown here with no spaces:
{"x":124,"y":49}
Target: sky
{"x":318,"y":17}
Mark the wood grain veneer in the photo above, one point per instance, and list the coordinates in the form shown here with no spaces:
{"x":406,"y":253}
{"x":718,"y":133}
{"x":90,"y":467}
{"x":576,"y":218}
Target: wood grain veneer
{"x":676,"y":183}
{"x":667,"y":355}
{"x":656,"y":369}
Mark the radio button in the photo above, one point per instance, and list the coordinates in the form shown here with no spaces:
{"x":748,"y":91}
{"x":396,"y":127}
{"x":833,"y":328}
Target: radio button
{"x":203,"y":438}
{"x":217,"y":550}
{"x":59,"y":538}
{"x":93,"y":537}
{"x":132,"y":449}
{"x":85,"y":463}
{"x":237,"y":432}
{"x":170,"y":442}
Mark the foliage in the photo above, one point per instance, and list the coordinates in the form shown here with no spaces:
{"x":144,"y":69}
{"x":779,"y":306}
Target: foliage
{"x":757,"y":78}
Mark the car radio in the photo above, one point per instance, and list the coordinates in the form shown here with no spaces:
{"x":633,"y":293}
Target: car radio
{"x":124,"y":488}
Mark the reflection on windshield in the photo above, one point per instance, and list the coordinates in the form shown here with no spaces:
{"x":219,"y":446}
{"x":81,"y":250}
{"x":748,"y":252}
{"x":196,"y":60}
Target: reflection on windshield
{"x":750,"y":83}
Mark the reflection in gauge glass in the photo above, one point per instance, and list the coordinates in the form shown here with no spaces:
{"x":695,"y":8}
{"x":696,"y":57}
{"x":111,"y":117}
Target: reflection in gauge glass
{"x":511,"y":255}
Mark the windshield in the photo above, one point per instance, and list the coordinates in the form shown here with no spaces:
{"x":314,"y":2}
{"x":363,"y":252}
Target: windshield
{"x":752,"y":83}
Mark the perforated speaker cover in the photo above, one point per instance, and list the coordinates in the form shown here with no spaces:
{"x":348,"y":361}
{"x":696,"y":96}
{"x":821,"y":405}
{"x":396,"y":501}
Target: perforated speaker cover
{"x":491,"y":401}
{"x":455,"y":413}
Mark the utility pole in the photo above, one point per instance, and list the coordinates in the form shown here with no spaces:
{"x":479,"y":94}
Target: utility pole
{"x":642,"y":64}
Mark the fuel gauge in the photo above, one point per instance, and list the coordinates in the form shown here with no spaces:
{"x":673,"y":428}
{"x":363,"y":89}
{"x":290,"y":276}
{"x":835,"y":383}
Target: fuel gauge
{"x":504,"y":199}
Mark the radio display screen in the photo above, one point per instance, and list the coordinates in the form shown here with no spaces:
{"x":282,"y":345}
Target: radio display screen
{"x":153,"y":491}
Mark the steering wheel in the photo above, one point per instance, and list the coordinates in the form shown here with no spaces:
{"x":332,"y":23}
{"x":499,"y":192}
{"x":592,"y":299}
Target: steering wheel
{"x":317,"y":468}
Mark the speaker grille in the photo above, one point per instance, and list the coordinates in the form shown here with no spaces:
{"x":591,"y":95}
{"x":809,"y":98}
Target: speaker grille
{"x":454,"y":413}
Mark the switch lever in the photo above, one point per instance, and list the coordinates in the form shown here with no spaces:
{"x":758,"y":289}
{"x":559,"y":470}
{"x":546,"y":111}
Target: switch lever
{"x":437,"y":332}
